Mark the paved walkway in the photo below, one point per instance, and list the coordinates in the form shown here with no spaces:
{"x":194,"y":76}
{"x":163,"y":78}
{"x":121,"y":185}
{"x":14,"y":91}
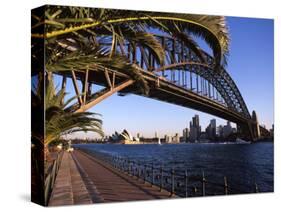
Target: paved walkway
{"x":114,"y":185}
{"x":69,"y":188}
{"x":83,"y":179}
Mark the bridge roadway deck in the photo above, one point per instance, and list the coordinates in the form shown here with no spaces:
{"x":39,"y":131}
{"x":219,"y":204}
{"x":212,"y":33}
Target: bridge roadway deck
{"x":98,"y":182}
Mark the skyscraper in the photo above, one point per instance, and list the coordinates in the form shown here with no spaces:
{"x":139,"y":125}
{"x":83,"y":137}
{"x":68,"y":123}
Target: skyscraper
{"x":227,"y":129}
{"x":195,"y":129}
{"x":185,"y":134}
{"x":195,"y":121}
{"x":213,"y":123}
{"x":211,"y":129}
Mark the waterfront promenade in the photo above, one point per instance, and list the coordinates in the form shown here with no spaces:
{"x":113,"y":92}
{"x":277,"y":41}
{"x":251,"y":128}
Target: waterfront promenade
{"x":69,"y":188}
{"x":83,"y":179}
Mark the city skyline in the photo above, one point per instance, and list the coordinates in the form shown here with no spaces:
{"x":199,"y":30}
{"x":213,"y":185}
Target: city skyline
{"x":251,"y":69}
{"x":219,"y":130}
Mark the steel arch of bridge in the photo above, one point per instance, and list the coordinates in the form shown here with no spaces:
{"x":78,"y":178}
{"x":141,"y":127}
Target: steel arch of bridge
{"x":180,"y":58}
{"x":177,"y":60}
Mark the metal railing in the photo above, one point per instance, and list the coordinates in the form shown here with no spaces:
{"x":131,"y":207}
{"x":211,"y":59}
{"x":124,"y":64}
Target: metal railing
{"x":50,"y":177}
{"x":183,"y":183}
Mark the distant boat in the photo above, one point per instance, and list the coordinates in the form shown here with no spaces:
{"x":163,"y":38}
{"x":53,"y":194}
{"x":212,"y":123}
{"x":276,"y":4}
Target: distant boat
{"x":159,"y":141}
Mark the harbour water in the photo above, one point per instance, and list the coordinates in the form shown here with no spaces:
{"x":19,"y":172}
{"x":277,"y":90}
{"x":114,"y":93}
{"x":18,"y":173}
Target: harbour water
{"x":247,"y":167}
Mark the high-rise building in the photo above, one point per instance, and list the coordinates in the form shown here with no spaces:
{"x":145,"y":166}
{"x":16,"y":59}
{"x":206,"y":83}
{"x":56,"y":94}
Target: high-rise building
{"x":228,"y":123}
{"x":213,"y":123}
{"x":185,"y":135}
{"x":211,"y":132}
{"x":219,"y":131}
{"x":195,"y":129}
{"x":195,"y":121}
{"x":227,"y":129}
{"x":176,"y":138}
{"x":168,"y":139}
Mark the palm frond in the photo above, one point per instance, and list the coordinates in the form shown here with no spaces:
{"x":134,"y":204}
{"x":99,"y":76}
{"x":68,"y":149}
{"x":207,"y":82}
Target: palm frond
{"x":58,"y":121}
{"x":212,"y":29}
{"x":148,"y":41}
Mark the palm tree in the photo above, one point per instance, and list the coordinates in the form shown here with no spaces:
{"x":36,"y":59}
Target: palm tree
{"x":58,"y":121}
{"x":49,"y":128}
{"x":133,"y":26}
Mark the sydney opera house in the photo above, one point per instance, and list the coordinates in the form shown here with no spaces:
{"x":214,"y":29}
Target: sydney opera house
{"x":123,"y":138}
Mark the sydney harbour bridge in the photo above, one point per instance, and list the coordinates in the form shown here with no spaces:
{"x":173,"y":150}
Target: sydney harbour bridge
{"x":183,"y":78}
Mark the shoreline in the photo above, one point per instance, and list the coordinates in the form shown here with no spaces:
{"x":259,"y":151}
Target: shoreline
{"x":181,"y":143}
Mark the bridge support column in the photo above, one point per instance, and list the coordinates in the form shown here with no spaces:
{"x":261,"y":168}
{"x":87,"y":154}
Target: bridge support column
{"x":256,"y":125}
{"x":247,"y":131}
{"x":255,"y":131}
{"x":252,"y":130}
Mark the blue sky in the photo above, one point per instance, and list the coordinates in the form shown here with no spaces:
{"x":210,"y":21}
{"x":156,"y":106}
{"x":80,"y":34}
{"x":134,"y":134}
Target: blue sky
{"x":250,"y":64}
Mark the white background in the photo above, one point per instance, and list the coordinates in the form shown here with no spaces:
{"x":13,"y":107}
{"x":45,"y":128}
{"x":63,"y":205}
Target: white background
{"x":15,"y":104}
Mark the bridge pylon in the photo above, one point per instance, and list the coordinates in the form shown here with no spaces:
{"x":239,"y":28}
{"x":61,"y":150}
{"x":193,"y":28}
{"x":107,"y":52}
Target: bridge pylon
{"x":255,"y":126}
{"x":251,"y":131}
